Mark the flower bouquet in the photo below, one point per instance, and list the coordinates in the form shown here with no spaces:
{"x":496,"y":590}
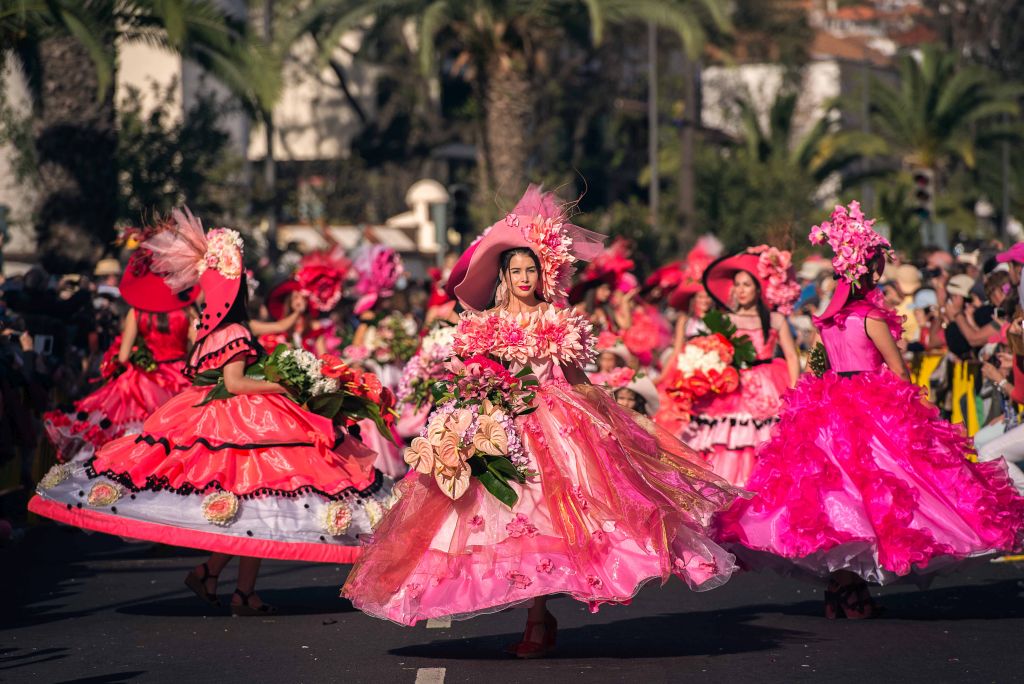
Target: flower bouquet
{"x":426,"y":367}
{"x":471,"y":431}
{"x":141,"y":357}
{"x":324,"y":385}
{"x":709,"y":364}
{"x":392,"y":340}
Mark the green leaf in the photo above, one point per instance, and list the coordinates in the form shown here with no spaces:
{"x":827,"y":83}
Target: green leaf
{"x":219,"y":391}
{"x":326,"y":405}
{"x":502,"y":467}
{"x":499,"y":488}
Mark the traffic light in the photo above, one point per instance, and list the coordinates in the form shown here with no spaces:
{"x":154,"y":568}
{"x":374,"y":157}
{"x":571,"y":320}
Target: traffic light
{"x":459,"y":195}
{"x":924,"y":194}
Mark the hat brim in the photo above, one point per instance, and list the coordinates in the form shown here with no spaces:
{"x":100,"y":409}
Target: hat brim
{"x":718,"y":278}
{"x":148,"y":292}
{"x":220,"y":292}
{"x":278,"y":298}
{"x":475,"y":288}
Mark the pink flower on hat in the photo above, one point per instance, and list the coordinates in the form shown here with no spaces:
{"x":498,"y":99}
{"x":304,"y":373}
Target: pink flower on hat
{"x":852,"y":239}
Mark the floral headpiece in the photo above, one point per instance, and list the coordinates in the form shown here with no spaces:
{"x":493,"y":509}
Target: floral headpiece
{"x":774,"y":268}
{"x":852,"y":239}
{"x":182,"y":252}
{"x":614,"y":263}
{"x":545,"y":226}
{"x":321,"y":277}
{"x":379,"y":269}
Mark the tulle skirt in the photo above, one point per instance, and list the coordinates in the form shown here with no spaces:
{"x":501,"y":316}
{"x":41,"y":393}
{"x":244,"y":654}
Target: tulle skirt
{"x":253,"y":475}
{"x":613,"y":505}
{"x":861,"y":475}
{"x":727,"y":428}
{"x":117,"y":408}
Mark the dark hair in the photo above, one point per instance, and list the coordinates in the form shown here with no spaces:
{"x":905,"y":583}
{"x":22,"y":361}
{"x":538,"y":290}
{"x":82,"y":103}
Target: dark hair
{"x":161,"y":319}
{"x":239,"y":311}
{"x":639,"y":402}
{"x":504,"y":262}
{"x":762,"y":311}
{"x":864,"y":284}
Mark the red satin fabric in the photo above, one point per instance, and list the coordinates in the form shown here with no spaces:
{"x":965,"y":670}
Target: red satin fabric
{"x":166,"y":346}
{"x":245,"y":443}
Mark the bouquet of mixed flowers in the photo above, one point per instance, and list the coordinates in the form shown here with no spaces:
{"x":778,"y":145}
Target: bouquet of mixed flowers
{"x":426,"y":366}
{"x":392,"y":339}
{"x":709,"y":363}
{"x":141,"y":357}
{"x":471,"y":431}
{"x":324,"y":385}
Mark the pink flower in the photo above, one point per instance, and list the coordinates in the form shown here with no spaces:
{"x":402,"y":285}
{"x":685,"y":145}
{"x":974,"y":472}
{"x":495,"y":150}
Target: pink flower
{"x":595,"y":582}
{"x":414,"y":589}
{"x":518,"y":579}
{"x":476,"y":523}
{"x":545,"y":565}
{"x":853,"y":240}
{"x":521,"y":526}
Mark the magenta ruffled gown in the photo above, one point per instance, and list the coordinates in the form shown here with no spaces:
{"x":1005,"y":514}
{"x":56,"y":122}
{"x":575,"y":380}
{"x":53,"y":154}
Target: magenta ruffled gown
{"x":617,"y":502}
{"x":862,"y":475}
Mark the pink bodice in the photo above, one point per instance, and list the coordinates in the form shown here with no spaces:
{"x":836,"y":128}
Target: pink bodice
{"x":166,"y":346}
{"x":221,"y":346}
{"x":765,"y":348}
{"x":848,"y":346}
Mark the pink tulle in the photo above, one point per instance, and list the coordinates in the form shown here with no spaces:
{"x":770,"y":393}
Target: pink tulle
{"x":615,"y":505}
{"x":860,"y":474}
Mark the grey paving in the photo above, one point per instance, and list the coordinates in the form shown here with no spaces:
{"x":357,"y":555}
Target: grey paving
{"x":82,"y":608}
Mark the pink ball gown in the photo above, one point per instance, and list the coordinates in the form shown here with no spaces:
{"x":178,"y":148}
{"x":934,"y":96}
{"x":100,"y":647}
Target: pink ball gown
{"x":727,"y":429}
{"x":121,"y":405}
{"x":861,"y":475}
{"x":616,"y":503}
{"x":251,"y":474}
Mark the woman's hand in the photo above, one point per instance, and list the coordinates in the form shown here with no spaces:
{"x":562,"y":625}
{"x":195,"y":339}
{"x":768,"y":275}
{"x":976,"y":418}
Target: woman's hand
{"x":992,"y":373}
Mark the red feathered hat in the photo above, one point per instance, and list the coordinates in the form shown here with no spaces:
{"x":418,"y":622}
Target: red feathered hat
{"x":147,"y":291}
{"x":184,"y":255}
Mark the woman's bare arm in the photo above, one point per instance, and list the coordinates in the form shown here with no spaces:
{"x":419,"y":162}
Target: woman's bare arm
{"x":129,"y":332}
{"x":236,"y":381}
{"x":878,"y":331}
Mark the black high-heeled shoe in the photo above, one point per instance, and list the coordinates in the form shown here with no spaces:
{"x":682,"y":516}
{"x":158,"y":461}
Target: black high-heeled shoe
{"x":198,"y":586}
{"x":245,"y":610}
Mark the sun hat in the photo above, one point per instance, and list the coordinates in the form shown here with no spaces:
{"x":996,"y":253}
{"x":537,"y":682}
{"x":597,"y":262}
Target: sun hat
{"x":960,"y":284}
{"x":771,"y":267}
{"x":537,"y":223}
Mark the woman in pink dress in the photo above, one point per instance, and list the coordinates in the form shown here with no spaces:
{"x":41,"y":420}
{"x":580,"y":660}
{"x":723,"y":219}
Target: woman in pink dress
{"x":727,"y":428}
{"x":862,"y":481}
{"x":160,"y":320}
{"x":611,"y":503}
{"x":251,"y":474}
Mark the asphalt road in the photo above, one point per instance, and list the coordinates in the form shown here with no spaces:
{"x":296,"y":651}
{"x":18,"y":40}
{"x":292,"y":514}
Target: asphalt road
{"x":85,"y":608}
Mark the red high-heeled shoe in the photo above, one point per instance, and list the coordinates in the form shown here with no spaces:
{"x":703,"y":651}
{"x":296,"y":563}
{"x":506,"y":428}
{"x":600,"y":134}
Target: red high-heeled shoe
{"x":528,"y":648}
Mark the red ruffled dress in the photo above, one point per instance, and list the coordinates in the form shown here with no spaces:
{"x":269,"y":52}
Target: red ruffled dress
{"x":861,"y":475}
{"x":253,"y":475}
{"x":121,"y":405}
{"x":727,"y":428}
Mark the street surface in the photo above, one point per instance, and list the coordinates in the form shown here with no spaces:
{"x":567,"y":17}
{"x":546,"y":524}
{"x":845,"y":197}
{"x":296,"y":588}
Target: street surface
{"x":94,"y":609}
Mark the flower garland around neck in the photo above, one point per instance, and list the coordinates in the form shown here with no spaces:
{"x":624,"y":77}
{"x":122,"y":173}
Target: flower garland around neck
{"x":853,"y":240}
{"x":560,"y":335}
{"x":551,"y":243}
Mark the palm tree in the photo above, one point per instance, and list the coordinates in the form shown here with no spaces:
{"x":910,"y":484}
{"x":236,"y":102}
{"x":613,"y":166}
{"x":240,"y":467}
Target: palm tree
{"x":502,"y":47}
{"x":68,"y":49}
{"x":938,"y":117}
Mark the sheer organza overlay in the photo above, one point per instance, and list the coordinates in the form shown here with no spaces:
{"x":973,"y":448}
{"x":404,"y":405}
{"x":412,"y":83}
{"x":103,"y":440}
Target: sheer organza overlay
{"x":616,"y":502}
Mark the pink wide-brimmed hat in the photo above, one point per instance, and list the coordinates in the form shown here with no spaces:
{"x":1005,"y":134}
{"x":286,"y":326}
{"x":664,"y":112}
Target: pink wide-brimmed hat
{"x":537,"y":223}
{"x":772,"y":268}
